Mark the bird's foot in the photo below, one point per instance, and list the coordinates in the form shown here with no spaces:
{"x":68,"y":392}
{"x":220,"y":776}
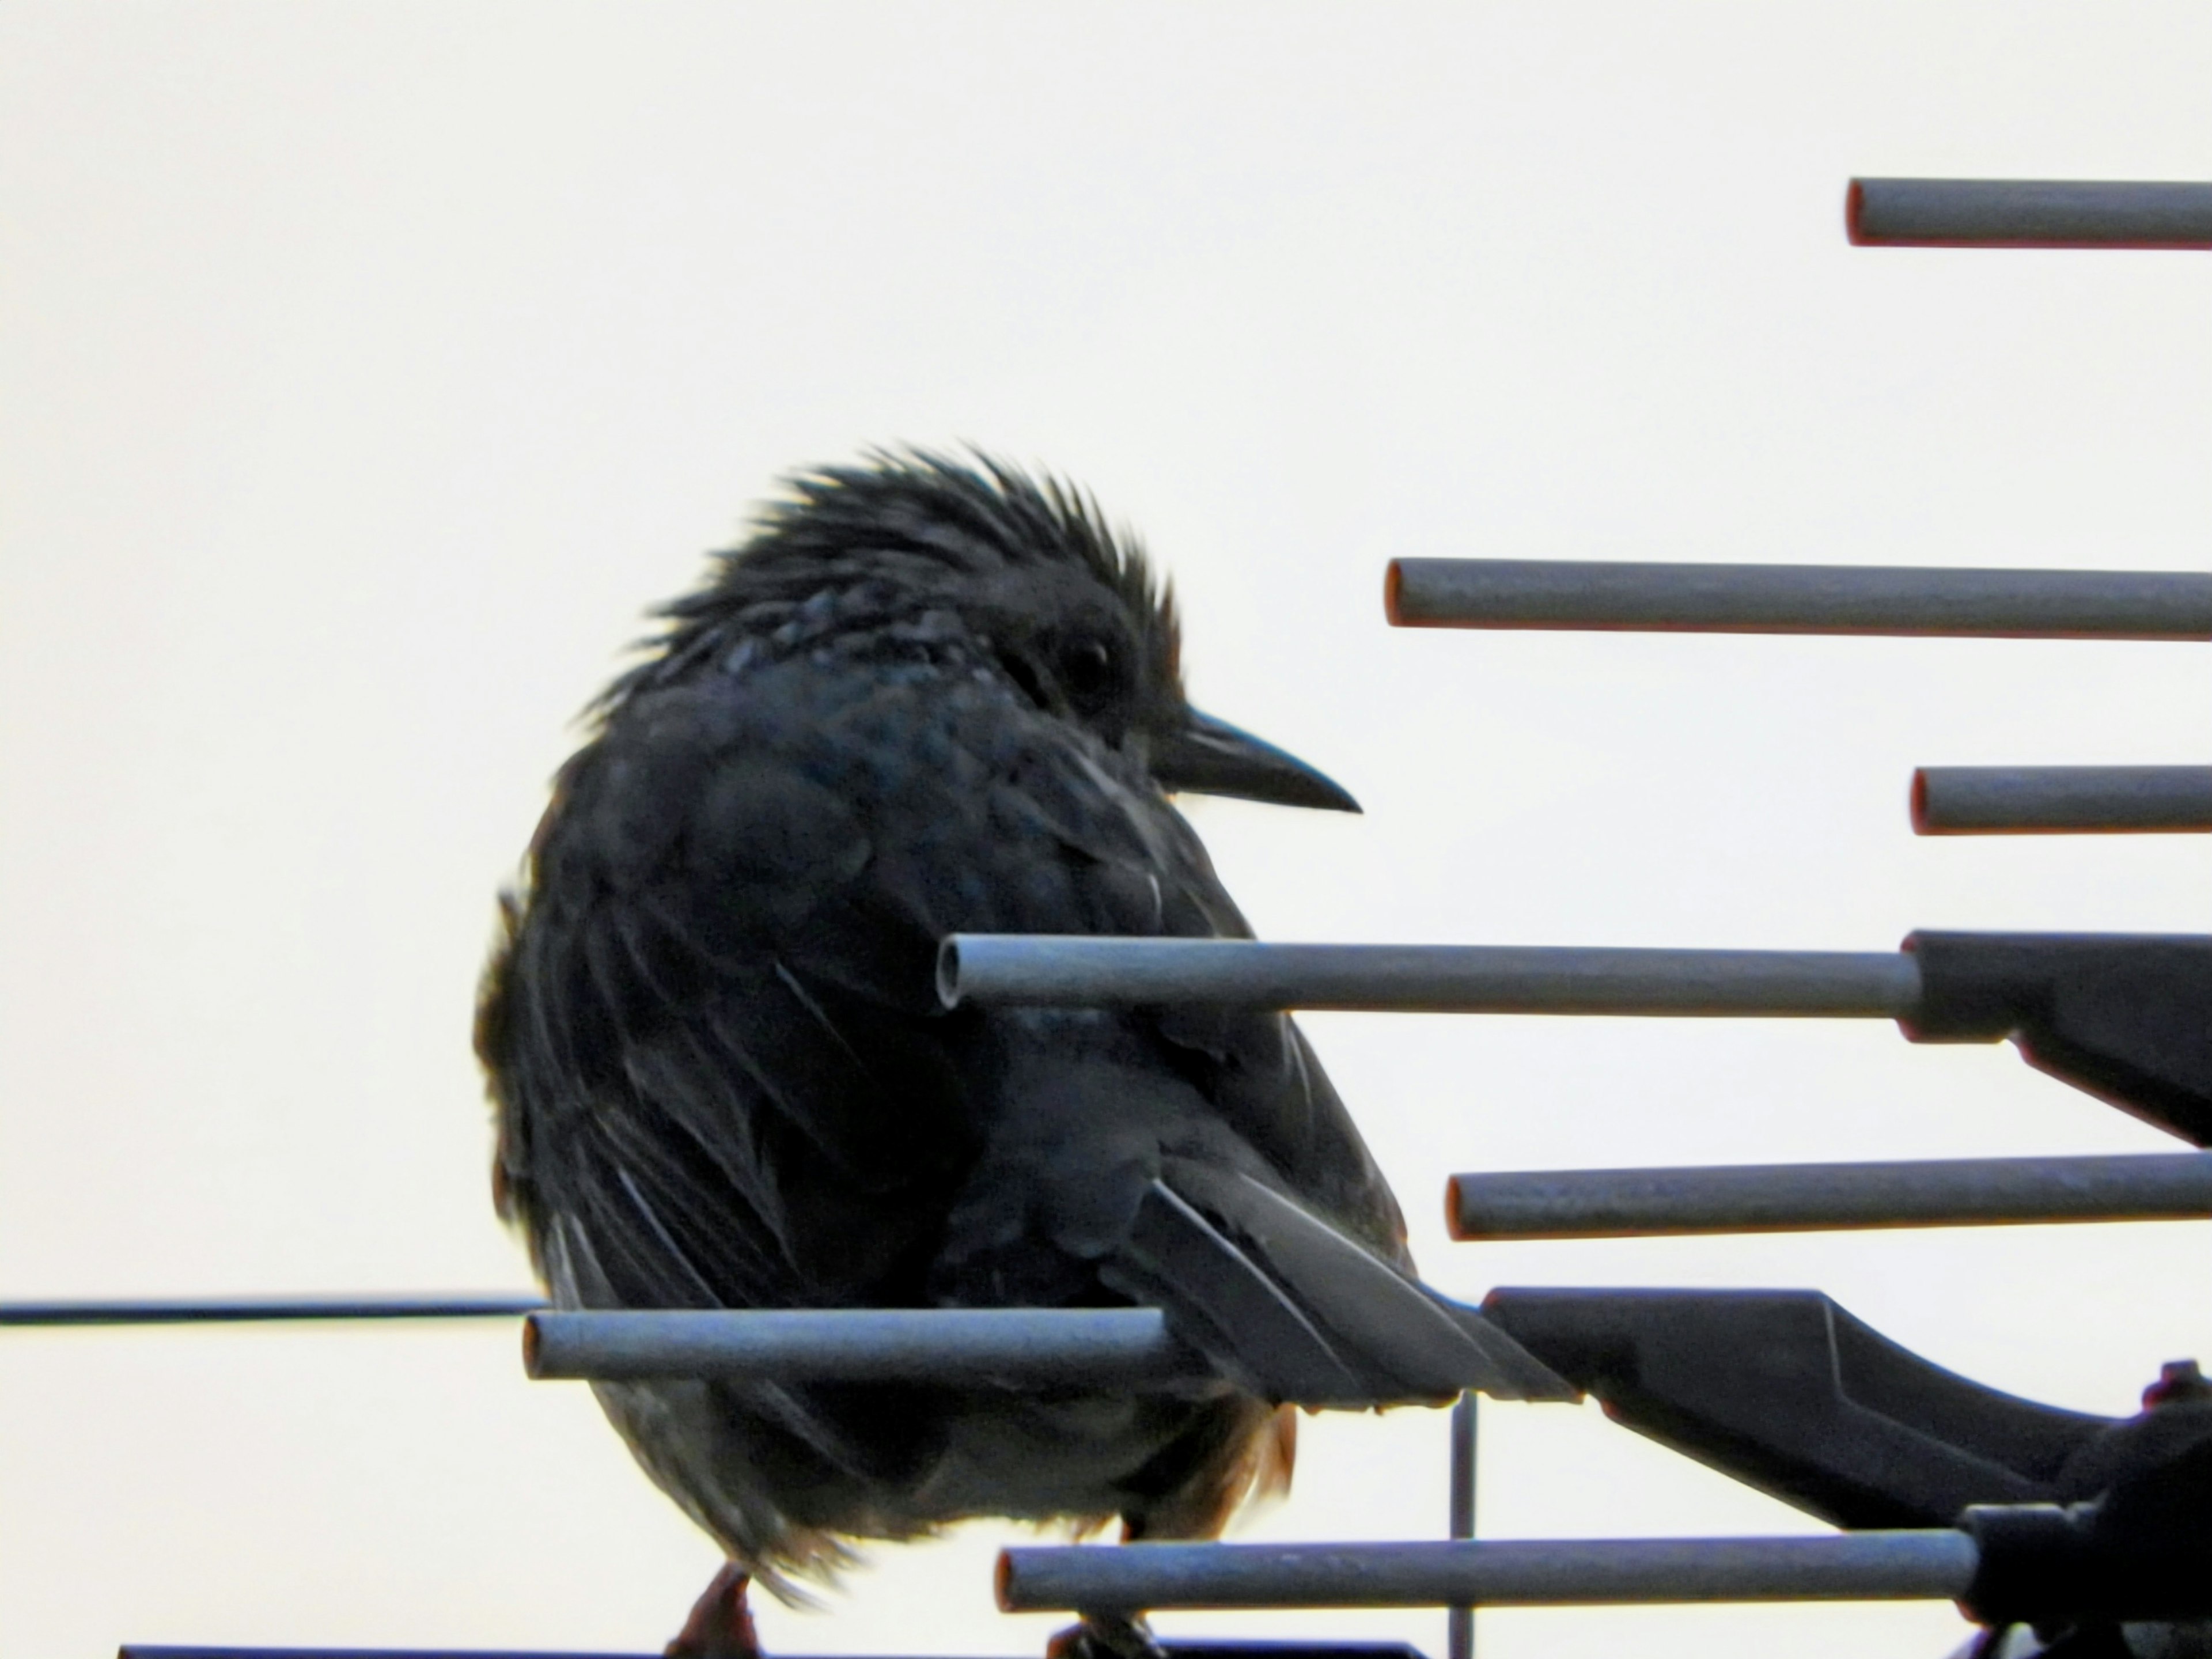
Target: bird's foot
{"x":721,"y":1624}
{"x":1105,"y":1636}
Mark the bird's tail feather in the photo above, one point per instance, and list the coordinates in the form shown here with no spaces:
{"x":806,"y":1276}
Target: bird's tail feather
{"x":1291,"y":1309}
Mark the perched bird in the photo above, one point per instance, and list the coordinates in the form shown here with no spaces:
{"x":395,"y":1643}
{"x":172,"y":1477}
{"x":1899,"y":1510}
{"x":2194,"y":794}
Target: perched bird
{"x":929,"y":696}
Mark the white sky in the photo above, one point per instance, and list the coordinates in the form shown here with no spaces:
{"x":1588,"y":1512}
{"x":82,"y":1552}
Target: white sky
{"x":365,"y":370}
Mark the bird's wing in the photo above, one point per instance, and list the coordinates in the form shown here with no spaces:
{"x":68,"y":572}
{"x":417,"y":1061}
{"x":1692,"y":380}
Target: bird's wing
{"x":1109,"y":1168}
{"x":726,"y":1076}
{"x":721,"y":1082}
{"x":726,"y":1082}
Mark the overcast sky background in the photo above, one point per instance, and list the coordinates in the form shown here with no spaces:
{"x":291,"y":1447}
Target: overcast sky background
{"x":367,"y":370}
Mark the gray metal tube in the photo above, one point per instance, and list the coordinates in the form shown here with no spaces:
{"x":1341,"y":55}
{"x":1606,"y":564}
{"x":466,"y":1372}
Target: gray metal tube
{"x":163,"y":1651}
{"x":2027,"y":213}
{"x":1798,"y":598}
{"x":2064,"y":800}
{"x":1859,"y":1566}
{"x":258,"y":1309}
{"x":1048,"y":969}
{"x":1777,"y":1197}
{"x":1010,"y":1346}
{"x":1171,"y":1650}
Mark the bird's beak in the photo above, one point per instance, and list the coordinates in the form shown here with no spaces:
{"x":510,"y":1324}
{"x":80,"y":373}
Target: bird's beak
{"x":1207,"y":757}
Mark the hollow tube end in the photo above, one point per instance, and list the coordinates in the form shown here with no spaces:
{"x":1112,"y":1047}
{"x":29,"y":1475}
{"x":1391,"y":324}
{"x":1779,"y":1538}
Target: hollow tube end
{"x":530,"y":1347}
{"x":1853,"y":206}
{"x":1002,"y":1582}
{"x":948,"y":973}
{"x":1918,"y":802}
{"x":1453,"y":1227}
{"x":1393,"y":580}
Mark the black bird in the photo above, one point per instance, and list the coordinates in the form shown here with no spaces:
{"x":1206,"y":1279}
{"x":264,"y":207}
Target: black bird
{"x":929,"y":696}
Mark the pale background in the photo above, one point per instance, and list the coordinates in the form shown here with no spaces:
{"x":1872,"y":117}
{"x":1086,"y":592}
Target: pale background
{"x":368,"y":369}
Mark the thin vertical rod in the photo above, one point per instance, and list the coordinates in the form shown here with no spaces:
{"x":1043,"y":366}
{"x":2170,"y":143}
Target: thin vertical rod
{"x":1459,"y":1622}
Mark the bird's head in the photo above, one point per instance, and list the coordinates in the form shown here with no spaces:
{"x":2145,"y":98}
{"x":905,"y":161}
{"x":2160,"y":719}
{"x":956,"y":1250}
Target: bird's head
{"x":1023,"y":568}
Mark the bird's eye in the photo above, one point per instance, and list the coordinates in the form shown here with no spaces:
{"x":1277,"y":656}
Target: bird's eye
{"x":1086,"y":670}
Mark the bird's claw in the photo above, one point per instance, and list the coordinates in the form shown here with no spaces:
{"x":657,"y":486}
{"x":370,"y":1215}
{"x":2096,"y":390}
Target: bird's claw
{"x":721,"y":1624}
{"x":1106,"y":1635}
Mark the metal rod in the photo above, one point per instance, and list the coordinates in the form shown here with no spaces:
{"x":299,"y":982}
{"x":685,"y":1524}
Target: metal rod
{"x":1323,"y":1649}
{"x":1459,"y":1621}
{"x":1798,"y":598}
{"x":1025,"y":968}
{"x":2062,"y":800}
{"x":955,"y":1346}
{"x":2027,"y":213}
{"x":1780,"y":1197}
{"x":1861,"y":1566}
{"x":259,"y":1310}
{"x":159,"y":1650}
